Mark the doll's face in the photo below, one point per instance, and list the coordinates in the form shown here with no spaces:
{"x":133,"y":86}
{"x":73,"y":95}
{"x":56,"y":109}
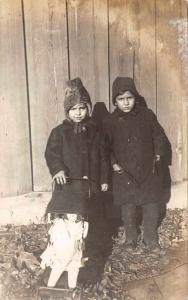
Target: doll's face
{"x":125,"y":101}
{"x":72,"y":217}
{"x":78,"y":112}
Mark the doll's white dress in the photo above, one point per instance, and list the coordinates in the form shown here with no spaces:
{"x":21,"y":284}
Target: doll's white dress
{"x":65,"y":249}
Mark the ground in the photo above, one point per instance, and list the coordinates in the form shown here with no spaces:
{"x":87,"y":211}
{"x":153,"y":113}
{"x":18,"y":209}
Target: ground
{"x":111,"y":272}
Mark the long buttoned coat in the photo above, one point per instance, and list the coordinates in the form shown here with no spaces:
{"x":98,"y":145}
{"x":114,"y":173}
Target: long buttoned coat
{"x":81,"y":154}
{"x":134,"y":139}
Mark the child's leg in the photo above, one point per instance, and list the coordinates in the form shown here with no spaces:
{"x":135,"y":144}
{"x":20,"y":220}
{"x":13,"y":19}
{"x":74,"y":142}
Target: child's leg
{"x":150,"y":219}
{"x":128,"y":213}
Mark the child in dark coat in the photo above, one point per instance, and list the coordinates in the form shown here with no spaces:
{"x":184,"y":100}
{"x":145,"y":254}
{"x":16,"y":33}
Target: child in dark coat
{"x":77,"y":160}
{"x":137,"y":144}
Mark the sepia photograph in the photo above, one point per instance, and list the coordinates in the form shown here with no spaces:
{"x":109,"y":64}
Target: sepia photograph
{"x":94,"y":149}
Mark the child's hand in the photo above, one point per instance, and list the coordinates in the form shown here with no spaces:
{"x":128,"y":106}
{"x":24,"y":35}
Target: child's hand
{"x":157,"y":157}
{"x":117,"y":168}
{"x":104,"y":187}
{"x":60,"y":177}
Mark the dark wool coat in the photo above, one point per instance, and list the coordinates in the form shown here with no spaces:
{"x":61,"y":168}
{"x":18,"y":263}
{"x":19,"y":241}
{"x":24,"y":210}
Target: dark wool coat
{"x":79,"y":155}
{"x":134,"y":139}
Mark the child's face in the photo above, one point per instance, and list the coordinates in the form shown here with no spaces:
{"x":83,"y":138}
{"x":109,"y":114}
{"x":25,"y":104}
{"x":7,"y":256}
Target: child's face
{"x":78,"y":112}
{"x":125,"y":102}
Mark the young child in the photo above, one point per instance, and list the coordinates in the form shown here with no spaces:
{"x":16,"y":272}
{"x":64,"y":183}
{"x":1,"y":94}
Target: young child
{"x":77,"y":160}
{"x":137,"y":144}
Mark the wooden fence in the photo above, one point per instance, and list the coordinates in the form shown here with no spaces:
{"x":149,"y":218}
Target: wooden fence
{"x":43,"y":43}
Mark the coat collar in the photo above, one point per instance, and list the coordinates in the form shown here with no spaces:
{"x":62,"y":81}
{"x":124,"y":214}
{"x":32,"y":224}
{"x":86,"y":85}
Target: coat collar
{"x":84,"y":126}
{"x":122,"y":115}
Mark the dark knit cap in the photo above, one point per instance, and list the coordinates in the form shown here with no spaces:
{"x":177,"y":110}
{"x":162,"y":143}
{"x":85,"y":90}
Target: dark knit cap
{"x":122,"y":84}
{"x":76,"y":93}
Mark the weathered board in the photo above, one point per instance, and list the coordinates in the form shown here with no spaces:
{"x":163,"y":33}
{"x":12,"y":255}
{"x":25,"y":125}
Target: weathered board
{"x":15,"y":163}
{"x":46,"y":41}
{"x":121,"y":39}
{"x":96,"y":40}
{"x":88,"y":46}
{"x":145,"y":59}
{"x":169,"y":86}
{"x":183,"y":44}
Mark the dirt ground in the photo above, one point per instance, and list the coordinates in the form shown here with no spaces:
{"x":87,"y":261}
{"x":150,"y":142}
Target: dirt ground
{"x":110,"y":273}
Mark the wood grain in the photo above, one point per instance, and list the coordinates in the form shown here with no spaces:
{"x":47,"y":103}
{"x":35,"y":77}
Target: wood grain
{"x":15,"y":163}
{"x":88,"y":44}
{"x":96,"y":40}
{"x":183,"y":39}
{"x":121,"y":39}
{"x":145,"y":60}
{"x":169,"y":86}
{"x":46,"y":40}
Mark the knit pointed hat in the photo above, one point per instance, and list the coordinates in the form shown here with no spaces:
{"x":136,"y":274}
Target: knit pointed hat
{"x":122,"y":84}
{"x":76,"y":93}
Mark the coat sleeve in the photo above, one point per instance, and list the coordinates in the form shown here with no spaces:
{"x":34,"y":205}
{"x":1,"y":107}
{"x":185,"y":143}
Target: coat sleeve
{"x":104,"y":155}
{"x":109,"y":141}
{"x":104,"y":159}
{"x":159,"y":137}
{"x":53,"y":153}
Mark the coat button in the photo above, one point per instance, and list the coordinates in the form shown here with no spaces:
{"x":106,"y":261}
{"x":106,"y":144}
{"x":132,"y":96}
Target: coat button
{"x":128,"y":140}
{"x":128,"y":182}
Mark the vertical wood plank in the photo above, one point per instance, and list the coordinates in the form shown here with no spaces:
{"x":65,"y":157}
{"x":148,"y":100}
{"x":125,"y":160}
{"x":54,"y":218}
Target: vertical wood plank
{"x":169,"y":87}
{"x":121,"y":39}
{"x":46,"y":40}
{"x":145,"y":63}
{"x":88,"y":44}
{"x":183,"y":47}
{"x":15,"y":161}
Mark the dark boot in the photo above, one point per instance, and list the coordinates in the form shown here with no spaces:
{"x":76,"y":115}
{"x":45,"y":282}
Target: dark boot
{"x":150,"y":219}
{"x":128,"y":213}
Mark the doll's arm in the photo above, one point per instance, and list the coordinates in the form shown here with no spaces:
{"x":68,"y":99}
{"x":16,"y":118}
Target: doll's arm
{"x":85,"y":229}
